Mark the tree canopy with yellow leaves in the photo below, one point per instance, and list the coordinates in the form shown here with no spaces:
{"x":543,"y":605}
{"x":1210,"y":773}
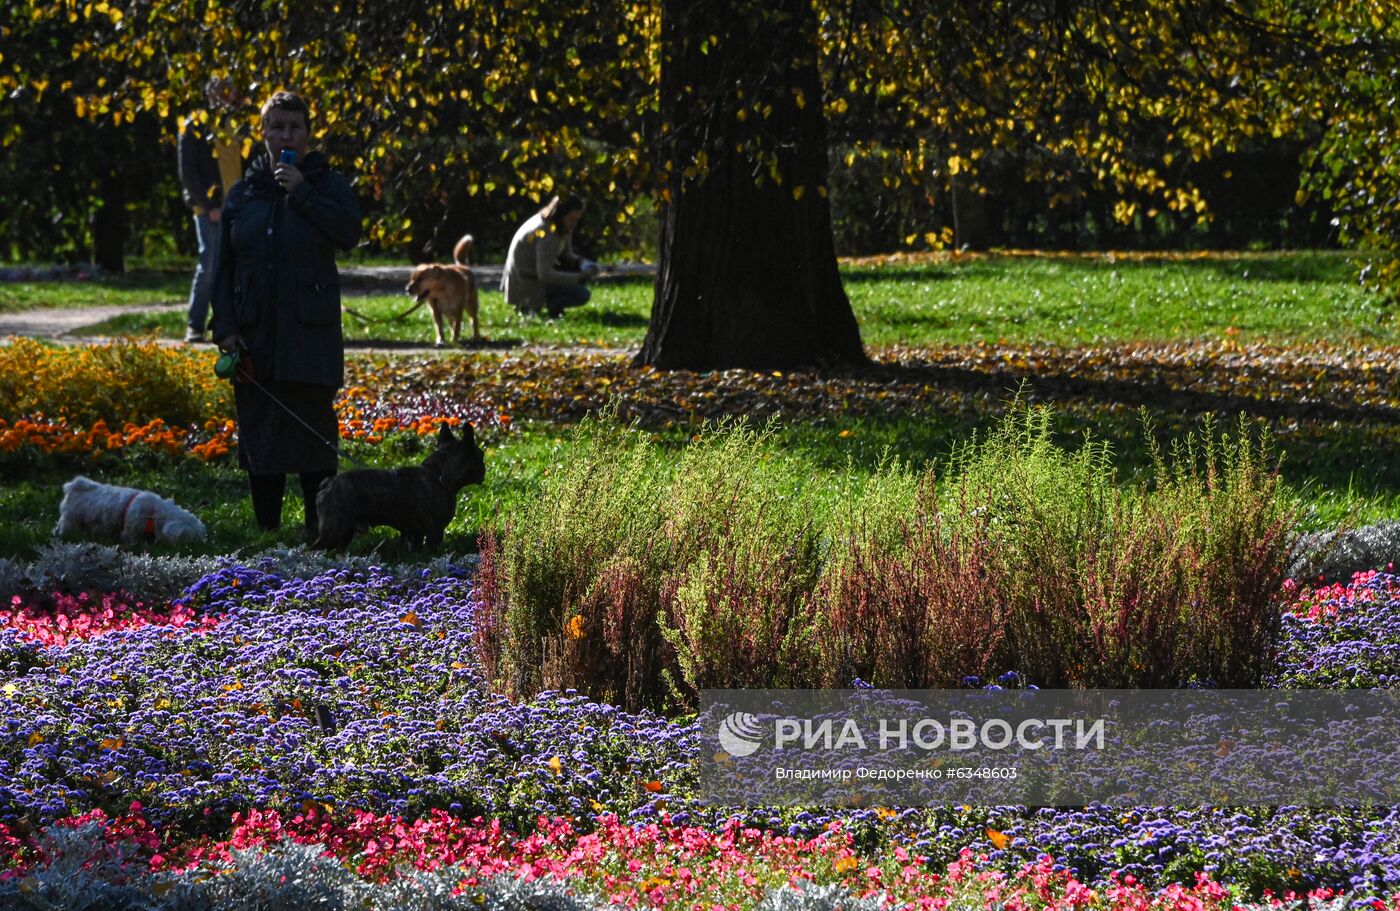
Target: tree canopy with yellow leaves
{"x":721,"y":110}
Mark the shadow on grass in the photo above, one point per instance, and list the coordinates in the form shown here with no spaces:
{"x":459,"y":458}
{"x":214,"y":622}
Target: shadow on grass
{"x":1135,"y":392}
{"x":503,"y":343}
{"x":920,"y":320}
{"x":1296,"y":268}
{"x":615,"y":319}
{"x":147,"y":279}
{"x":1336,"y":467}
{"x":860,"y":275}
{"x":625,"y":280}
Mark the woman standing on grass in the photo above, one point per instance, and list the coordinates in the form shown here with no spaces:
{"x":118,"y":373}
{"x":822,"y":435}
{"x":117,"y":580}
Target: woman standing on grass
{"x":276,"y":301}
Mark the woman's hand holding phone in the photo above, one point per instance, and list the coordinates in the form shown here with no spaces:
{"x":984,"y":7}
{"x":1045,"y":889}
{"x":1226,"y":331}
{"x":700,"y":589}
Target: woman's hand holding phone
{"x":286,"y":172}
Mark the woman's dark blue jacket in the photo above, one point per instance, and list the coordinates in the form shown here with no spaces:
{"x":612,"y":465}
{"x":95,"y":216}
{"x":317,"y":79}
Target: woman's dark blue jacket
{"x":276,"y":283}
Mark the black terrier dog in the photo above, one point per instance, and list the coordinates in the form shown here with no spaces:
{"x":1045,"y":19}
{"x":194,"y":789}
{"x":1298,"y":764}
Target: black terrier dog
{"x":418,"y":501}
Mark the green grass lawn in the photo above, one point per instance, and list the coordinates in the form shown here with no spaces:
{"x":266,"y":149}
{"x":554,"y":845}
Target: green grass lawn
{"x":218,"y":493}
{"x":1076,"y":301}
{"x":1317,"y":469}
{"x":138,"y":287}
{"x":615,"y":318}
{"x":1056,"y":300}
{"x":1347,"y":470}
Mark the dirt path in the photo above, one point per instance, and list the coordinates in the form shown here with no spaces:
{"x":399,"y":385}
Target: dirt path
{"x":61,"y":324}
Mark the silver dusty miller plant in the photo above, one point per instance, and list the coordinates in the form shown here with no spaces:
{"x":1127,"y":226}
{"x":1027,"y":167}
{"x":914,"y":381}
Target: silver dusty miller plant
{"x":76,"y":566}
{"x":1336,"y":556}
{"x":415,"y":890}
{"x":288,"y":877}
{"x":83,"y":873}
{"x":818,"y":898}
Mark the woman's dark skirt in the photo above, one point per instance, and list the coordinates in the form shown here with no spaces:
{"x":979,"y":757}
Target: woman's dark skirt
{"x":271,"y":441}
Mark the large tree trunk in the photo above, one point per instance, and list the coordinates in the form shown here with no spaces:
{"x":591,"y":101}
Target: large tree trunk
{"x":109,"y":224}
{"x":748,"y":272}
{"x":969,"y":215}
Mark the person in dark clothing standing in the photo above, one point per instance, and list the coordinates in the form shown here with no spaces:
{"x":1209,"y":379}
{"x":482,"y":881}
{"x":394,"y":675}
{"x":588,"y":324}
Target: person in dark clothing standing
{"x":276,"y":300}
{"x":211,"y":161}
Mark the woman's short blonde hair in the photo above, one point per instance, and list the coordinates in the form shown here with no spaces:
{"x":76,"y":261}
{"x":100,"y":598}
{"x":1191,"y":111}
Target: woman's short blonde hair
{"x":287,"y":101}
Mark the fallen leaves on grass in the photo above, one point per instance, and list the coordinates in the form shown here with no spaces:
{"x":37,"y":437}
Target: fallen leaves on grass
{"x":1312,"y":381}
{"x":1307,"y":383}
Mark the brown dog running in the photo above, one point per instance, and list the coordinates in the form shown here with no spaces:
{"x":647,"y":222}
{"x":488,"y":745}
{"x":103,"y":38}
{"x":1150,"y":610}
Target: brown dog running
{"x":450,"y":291}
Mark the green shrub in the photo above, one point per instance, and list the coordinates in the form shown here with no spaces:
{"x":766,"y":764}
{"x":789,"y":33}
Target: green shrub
{"x":641,"y":578}
{"x":1238,"y":524}
{"x":920,"y":610}
{"x":742,"y":545}
{"x":562,"y":606}
{"x":1032,"y":558}
{"x":122,"y":381}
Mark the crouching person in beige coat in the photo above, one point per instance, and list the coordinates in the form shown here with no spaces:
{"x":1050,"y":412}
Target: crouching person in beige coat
{"x":542,"y":270}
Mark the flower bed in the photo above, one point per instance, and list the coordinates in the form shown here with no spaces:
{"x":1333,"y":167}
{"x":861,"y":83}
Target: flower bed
{"x":349,"y":710}
{"x":614,"y":865}
{"x":60,"y":619}
{"x":131,"y":396}
{"x":122,"y":382}
{"x":342,"y":688}
{"x":368,"y":413}
{"x":49,"y":437}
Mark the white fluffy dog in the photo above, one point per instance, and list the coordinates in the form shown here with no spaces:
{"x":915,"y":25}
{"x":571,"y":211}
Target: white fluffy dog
{"x":124,"y":514}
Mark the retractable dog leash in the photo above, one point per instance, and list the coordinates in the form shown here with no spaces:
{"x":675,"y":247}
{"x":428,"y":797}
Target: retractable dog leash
{"x":309,"y":429}
{"x":226,"y":367}
{"x":389,"y":319}
{"x":602,"y":271}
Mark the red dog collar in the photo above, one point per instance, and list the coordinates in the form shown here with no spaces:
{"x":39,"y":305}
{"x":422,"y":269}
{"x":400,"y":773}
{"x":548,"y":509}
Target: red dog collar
{"x":150,"y":529}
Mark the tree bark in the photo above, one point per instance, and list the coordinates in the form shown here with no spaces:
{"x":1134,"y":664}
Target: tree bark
{"x":969,"y":216}
{"x":747,"y":274}
{"x":109,"y":225}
